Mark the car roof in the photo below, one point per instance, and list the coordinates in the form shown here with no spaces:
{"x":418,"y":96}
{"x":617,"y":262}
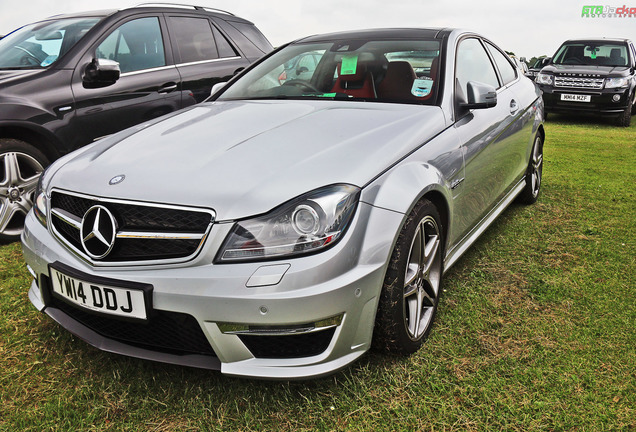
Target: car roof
{"x":156,"y":7}
{"x":96,"y":13}
{"x":597,"y":39}
{"x":385,"y":33}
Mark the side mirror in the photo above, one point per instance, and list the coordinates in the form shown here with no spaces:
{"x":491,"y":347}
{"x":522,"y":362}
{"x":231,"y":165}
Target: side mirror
{"x":479,"y":96}
{"x":301,"y":70}
{"x":217,"y":87}
{"x":101,"y":73}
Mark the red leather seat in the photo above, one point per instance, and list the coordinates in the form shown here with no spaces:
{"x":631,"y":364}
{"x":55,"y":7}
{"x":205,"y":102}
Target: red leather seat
{"x":399,"y":78}
{"x":434,"y":67}
{"x":398,"y":81}
{"x":359,"y":85}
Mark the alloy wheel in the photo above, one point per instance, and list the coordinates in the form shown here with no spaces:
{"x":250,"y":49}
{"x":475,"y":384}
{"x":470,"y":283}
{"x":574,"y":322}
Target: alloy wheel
{"x":19,"y":175}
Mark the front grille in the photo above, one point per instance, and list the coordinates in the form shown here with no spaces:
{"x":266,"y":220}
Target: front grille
{"x":166,"y":332}
{"x":577,"y":82}
{"x":288,"y":346}
{"x":144,"y":232}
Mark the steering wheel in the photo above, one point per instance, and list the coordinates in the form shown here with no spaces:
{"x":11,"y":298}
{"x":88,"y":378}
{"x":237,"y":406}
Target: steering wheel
{"x":573,"y":60}
{"x":28,"y":59}
{"x":302,"y":85}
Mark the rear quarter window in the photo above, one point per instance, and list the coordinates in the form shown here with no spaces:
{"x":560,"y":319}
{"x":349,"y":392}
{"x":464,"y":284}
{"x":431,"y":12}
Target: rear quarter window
{"x":506,"y":69}
{"x":242,"y":34}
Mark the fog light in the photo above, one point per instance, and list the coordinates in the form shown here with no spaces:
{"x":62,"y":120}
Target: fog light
{"x":616,"y":98}
{"x":260,"y":330}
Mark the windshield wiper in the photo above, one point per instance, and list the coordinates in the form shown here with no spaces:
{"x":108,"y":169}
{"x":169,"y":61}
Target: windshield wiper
{"x":320,"y":96}
{"x":18,"y":68}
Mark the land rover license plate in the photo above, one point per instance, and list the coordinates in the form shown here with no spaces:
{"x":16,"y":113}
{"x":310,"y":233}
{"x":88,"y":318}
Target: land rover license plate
{"x":576,"y":98}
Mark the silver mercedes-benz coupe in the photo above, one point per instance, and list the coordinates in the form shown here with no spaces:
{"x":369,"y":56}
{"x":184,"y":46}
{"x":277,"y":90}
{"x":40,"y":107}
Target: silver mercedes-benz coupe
{"x":303,"y":214}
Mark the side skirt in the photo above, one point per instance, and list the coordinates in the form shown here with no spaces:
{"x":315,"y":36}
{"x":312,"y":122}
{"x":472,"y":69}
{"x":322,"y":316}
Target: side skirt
{"x":458,"y":250}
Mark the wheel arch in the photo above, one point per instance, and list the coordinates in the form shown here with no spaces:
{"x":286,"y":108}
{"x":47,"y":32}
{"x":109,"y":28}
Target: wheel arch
{"x":541,"y":131}
{"x":41,"y":139}
{"x":439,"y":201}
{"x":403,"y":187}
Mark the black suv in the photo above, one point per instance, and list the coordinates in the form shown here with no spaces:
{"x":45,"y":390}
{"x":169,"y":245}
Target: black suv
{"x":592,"y":76}
{"x":535,"y":68}
{"x":72,"y":79}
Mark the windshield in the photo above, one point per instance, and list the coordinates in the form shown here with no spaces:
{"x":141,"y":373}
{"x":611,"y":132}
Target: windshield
{"x":539,"y":63}
{"x":403,"y":71}
{"x":592,"y":54}
{"x":39,"y":45}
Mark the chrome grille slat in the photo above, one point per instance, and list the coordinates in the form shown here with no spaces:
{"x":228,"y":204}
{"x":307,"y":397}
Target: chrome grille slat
{"x":578,"y":82}
{"x":147,"y":233}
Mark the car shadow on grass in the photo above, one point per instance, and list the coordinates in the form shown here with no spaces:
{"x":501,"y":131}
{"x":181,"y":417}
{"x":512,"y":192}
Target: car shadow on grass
{"x":582,"y":119}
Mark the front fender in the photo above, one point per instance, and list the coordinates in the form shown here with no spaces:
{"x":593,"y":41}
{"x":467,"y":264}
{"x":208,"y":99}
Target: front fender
{"x":433,"y":171}
{"x":403,"y":186}
{"x":23,"y":109}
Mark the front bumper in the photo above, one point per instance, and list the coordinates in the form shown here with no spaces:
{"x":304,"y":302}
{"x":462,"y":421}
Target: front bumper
{"x":341,"y":284}
{"x":606,"y":102}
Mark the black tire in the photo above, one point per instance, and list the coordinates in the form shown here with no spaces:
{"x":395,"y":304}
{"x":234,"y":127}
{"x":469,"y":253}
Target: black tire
{"x":534,"y":174}
{"x":625,"y":118}
{"x":20,"y":167}
{"x":413,"y":283}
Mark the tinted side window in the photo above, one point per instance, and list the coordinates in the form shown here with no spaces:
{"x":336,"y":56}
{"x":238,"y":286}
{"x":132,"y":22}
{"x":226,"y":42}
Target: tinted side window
{"x":225,"y":48}
{"x":508,"y":73}
{"x":194,"y":39}
{"x":473,"y":64}
{"x":254,"y":35}
{"x":136,"y":45}
{"x":244,"y":44}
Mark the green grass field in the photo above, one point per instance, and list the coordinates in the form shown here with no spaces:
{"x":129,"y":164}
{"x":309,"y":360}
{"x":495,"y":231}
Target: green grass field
{"x":536,"y":332}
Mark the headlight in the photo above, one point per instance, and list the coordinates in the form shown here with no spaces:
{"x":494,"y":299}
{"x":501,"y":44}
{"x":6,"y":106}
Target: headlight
{"x":616,"y":82}
{"x":309,"y":223}
{"x":39,"y":203}
{"x":543,"y":78}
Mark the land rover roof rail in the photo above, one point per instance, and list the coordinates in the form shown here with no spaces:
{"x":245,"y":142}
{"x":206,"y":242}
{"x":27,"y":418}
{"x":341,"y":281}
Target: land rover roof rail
{"x":184,"y":6}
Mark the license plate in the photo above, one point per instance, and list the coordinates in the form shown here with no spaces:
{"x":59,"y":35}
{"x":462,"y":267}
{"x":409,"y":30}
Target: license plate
{"x":576,"y":98}
{"x":101,"y":296}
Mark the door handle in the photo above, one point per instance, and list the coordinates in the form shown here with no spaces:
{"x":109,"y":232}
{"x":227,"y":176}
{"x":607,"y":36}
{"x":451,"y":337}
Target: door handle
{"x":167,"y":88}
{"x":513,"y":106}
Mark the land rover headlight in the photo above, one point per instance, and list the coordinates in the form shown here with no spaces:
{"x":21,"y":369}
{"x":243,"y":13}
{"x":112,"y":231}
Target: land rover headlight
{"x":307,"y":224}
{"x":616,"y":82}
{"x":545,"y":79}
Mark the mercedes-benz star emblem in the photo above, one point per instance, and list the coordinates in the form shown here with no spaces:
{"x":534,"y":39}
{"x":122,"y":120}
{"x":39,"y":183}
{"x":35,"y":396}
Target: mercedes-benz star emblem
{"x":98,"y":231}
{"x":117,"y":179}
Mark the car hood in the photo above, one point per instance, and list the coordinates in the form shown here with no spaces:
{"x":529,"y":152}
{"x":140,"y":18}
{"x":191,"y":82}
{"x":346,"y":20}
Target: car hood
{"x":581,"y":69}
{"x":243,"y":158}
